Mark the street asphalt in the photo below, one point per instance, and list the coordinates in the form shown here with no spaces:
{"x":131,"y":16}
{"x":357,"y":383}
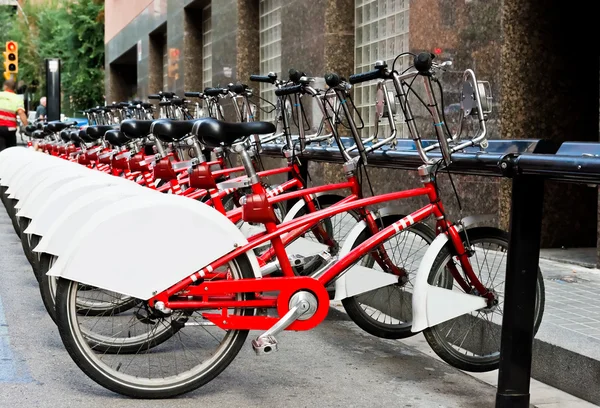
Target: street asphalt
{"x":334,"y":365}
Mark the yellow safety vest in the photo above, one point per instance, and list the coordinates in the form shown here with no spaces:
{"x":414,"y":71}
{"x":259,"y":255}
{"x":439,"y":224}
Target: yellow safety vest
{"x":10,"y":104}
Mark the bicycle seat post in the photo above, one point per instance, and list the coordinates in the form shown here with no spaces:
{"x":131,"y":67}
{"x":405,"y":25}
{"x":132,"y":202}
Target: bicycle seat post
{"x":242,"y":151}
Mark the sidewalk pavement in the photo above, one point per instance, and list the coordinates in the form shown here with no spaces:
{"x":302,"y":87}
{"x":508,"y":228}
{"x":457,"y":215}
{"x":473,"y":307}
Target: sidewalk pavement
{"x":566,"y":362}
{"x":567,"y":345}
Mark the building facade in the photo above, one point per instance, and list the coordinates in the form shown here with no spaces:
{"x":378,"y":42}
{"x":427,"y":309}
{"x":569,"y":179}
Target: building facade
{"x":187,"y":45}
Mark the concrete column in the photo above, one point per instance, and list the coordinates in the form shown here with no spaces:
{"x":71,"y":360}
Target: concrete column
{"x":192,"y":50}
{"x":143,"y":68}
{"x":225,"y":27}
{"x":175,"y":47}
{"x":156,"y":48}
{"x":224,"y":44}
{"x":248,"y":50}
{"x":339,"y":37}
{"x":542,"y":81}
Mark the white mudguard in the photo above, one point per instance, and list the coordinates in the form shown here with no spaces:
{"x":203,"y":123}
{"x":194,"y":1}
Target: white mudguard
{"x":434,"y":305}
{"x":296,"y":208}
{"x":359,"y":279}
{"x":23,"y":182}
{"x":302,"y":246}
{"x":53,"y":166}
{"x":49,"y":181}
{"x":16,"y":171}
{"x":142,"y":247}
{"x":300,"y":204}
{"x":38,"y":198}
{"x":57,"y":201}
{"x":65,"y":227}
{"x":9,"y":159}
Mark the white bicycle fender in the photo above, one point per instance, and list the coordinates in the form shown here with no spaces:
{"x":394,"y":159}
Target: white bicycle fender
{"x":296,"y":208}
{"x":340,"y":283}
{"x":27,"y":178}
{"x":79,"y":211}
{"x":359,"y":279}
{"x":123,"y":249}
{"x":434,"y":305}
{"x":46,"y":182}
{"x":33,"y":203}
{"x":9,"y":158}
{"x":58,"y":199}
{"x":20,"y":170}
{"x":16,"y":166}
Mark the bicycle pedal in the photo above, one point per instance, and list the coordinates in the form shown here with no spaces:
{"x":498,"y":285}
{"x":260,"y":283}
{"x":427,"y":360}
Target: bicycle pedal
{"x":264,"y":345}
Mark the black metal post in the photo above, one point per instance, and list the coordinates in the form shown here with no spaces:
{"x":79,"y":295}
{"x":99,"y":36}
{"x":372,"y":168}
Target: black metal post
{"x":519,"y":292}
{"x":53,"y":88}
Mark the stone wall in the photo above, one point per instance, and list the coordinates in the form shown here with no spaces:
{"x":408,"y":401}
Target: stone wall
{"x":524,"y":48}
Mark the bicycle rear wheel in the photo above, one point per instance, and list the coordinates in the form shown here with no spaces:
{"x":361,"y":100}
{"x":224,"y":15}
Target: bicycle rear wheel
{"x":192,"y":357}
{"x":471,"y":342}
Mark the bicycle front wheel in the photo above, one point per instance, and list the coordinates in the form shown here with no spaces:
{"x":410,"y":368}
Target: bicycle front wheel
{"x":471,"y":342}
{"x":386,"y":312}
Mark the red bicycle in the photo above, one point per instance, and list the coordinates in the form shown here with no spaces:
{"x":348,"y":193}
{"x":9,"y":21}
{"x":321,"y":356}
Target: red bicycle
{"x":207,"y":314}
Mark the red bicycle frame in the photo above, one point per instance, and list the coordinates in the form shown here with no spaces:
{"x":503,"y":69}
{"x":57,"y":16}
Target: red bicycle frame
{"x":197,"y":291}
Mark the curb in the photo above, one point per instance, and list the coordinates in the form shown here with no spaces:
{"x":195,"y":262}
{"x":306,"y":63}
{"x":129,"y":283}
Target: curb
{"x":567,"y":370}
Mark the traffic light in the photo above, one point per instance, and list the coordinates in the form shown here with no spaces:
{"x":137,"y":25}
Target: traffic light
{"x":11,"y":59}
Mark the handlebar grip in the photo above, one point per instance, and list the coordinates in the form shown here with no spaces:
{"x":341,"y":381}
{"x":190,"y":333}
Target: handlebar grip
{"x":146,"y":105}
{"x":167,"y":95}
{"x":295,"y":75}
{"x":332,"y":79}
{"x":214,"y":91}
{"x":238,"y":89}
{"x":268,"y":79}
{"x":288,"y":90}
{"x":423,"y":61}
{"x":154,"y":96}
{"x":365,"y":76}
{"x":136,"y":102}
{"x":193,"y":94}
{"x":165,"y":103}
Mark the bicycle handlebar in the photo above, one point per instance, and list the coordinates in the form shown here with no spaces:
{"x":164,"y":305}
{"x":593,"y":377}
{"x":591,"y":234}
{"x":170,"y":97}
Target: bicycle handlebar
{"x":366,"y":76}
{"x":193,"y":94}
{"x":215,"y":91}
{"x":270,"y":78}
{"x":289,"y":90}
{"x":237,"y":88}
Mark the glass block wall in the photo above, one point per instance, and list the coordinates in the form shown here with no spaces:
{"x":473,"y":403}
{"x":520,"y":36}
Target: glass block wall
{"x":382,"y":32}
{"x":270,"y":49}
{"x":206,"y":47}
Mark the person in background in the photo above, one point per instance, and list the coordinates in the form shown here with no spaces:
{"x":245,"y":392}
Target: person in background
{"x":11,"y":105}
{"x":40,"y":112}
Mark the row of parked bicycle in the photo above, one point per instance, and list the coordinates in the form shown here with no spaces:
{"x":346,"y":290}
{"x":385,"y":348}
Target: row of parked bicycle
{"x":155,"y":254}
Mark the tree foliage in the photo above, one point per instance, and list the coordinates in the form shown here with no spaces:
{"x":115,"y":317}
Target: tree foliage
{"x":70,"y":30}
